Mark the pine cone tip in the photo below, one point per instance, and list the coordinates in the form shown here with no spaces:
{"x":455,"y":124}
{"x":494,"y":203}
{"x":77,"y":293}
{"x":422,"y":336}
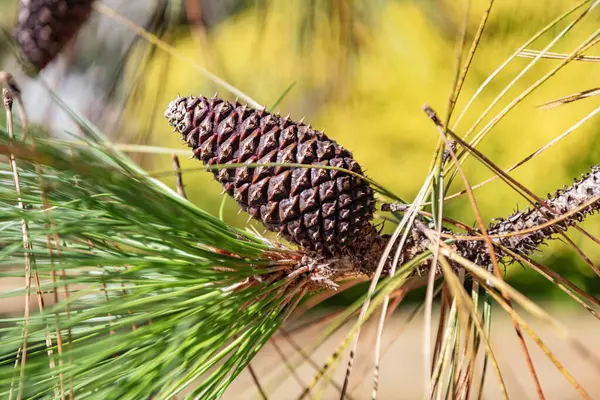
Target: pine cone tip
{"x":175,"y":114}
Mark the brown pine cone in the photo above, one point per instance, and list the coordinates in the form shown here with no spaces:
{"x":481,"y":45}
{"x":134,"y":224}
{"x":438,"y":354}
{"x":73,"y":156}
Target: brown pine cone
{"x":318,"y":209}
{"x":44,"y":27}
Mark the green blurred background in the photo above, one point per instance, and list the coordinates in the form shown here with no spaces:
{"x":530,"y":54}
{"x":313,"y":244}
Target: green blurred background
{"x":359,"y":69}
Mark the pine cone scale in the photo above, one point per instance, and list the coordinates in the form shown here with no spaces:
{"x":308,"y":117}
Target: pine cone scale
{"x":317,"y":208}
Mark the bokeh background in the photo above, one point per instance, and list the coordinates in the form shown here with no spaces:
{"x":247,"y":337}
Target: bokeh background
{"x":361,"y":70}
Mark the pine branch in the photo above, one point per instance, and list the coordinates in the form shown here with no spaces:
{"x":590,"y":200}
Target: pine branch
{"x":233,"y":139}
{"x":524,"y":231}
{"x":571,"y":204}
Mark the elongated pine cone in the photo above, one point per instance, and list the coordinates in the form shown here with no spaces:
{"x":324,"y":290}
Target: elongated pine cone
{"x":44,"y":27}
{"x":562,"y":202}
{"x":322,"y":210}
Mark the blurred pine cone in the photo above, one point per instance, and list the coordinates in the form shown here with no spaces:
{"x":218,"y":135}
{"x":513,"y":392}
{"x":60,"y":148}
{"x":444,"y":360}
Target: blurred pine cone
{"x":319,"y":209}
{"x":44,"y":27}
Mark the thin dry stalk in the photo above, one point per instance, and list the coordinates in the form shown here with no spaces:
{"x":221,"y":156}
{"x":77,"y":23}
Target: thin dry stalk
{"x":384,"y":317}
{"x":509,"y":309}
{"x":587,"y":44}
{"x":46,"y":209}
{"x":257,"y":382}
{"x":518,"y":99}
{"x":14,"y":93}
{"x":534,"y":309}
{"x":7,"y":80}
{"x":471,"y":348}
{"x":397,"y":295}
{"x":444,"y":341}
{"x":401,"y":293}
{"x":470,"y":56}
{"x":433,"y":269}
{"x":513,"y":56}
{"x":532,"y":155}
{"x":570,"y":98}
{"x":178,"y":177}
{"x":488,"y":328}
{"x":63,"y":277}
{"x":490,"y":248}
{"x":550,"y":55}
{"x":405,"y":224}
{"x":7,"y":99}
{"x":461,"y":298}
{"x":444,"y":307}
{"x":59,"y":343}
{"x":287,"y":363}
{"x":335,"y":356}
{"x":564,"y":284}
{"x":428,"y":306}
{"x":306,"y":357}
{"x":380,"y":325}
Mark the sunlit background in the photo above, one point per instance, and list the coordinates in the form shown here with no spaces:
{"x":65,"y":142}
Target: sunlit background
{"x":362,"y":71}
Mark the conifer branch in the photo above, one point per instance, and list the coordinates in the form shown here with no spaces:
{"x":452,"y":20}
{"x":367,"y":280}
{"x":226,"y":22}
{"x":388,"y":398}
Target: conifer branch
{"x":524,"y":231}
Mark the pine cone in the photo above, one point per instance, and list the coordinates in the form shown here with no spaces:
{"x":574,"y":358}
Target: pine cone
{"x":44,"y":27}
{"x":562,"y":202}
{"x":318,"y":209}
